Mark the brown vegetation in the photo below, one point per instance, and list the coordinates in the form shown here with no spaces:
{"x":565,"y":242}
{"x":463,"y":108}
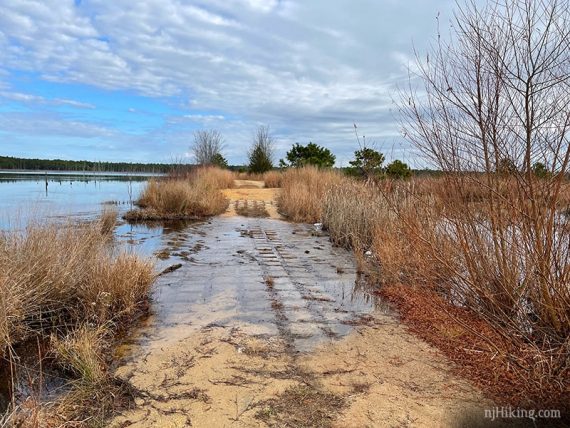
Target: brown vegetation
{"x":303,"y":190}
{"x":434,"y":239}
{"x":507,"y":370}
{"x":66,"y":287}
{"x":272,"y":179}
{"x":302,"y":406}
{"x":212,"y":176}
{"x":193,"y":196}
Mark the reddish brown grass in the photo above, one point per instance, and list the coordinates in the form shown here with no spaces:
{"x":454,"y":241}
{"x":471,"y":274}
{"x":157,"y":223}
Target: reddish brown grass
{"x":482,"y":354}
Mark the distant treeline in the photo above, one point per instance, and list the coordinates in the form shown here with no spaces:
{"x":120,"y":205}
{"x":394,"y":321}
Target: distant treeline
{"x":7,"y":162}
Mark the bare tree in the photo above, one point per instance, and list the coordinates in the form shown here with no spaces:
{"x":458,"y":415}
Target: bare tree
{"x":207,"y":146}
{"x":496,"y":92}
{"x":261,"y":153}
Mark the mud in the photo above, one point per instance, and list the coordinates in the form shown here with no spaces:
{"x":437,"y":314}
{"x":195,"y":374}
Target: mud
{"x":263,"y":320}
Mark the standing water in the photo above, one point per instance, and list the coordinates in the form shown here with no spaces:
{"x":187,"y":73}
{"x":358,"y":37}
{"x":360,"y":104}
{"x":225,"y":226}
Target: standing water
{"x":26,"y":195}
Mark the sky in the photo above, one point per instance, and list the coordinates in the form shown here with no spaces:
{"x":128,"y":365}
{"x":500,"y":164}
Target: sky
{"x":128,"y":80}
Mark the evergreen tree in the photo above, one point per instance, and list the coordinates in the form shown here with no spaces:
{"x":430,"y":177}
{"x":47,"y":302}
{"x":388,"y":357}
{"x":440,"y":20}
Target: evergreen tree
{"x":261,"y":152}
{"x":398,"y":169}
{"x":311,"y":154}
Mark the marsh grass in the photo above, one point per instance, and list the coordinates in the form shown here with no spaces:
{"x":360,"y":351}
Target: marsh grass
{"x":194,"y":196}
{"x":53,"y":273}
{"x":94,"y":393}
{"x":272,"y":179}
{"x":215,"y":177}
{"x":108,"y":220}
{"x":479,"y":243}
{"x":66,"y":285}
{"x":303,"y":190}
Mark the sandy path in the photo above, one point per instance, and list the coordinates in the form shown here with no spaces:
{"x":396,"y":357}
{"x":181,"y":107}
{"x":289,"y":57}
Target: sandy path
{"x":254,"y":193}
{"x":267,"y":324}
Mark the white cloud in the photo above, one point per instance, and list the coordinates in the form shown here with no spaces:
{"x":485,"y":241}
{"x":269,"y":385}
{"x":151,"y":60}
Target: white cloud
{"x":262,"y":5}
{"x":72,"y":103}
{"x":309,"y":69}
{"x":51,"y":125}
{"x":36,"y":99}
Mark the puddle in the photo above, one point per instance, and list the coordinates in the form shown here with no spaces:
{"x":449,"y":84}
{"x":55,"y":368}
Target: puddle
{"x":254,"y":313}
{"x":265,"y":277}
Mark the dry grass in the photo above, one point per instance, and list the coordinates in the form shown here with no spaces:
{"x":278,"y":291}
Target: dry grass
{"x":302,"y":406}
{"x":392,"y":221}
{"x":303,"y":190}
{"x":108,"y":220}
{"x":194,"y":197}
{"x":219,"y":178}
{"x":352,"y":212}
{"x":55,"y":274}
{"x":79,"y":352}
{"x":273,"y":179}
{"x":68,"y":287}
{"x":213,"y":177}
{"x":487,"y":247}
{"x":94,"y":394}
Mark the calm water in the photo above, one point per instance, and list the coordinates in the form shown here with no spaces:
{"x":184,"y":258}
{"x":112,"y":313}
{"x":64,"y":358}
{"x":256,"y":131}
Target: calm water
{"x":316,"y":288}
{"x":24,"y":196}
{"x":222,"y":266}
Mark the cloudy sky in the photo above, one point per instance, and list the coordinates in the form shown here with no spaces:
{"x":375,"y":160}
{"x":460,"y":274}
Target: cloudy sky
{"x":132,"y":80}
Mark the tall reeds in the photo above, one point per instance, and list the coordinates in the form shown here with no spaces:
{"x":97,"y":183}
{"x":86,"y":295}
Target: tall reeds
{"x":303,"y":190}
{"x":488,"y":248}
{"x":196,"y":194}
{"x":67,"y":286}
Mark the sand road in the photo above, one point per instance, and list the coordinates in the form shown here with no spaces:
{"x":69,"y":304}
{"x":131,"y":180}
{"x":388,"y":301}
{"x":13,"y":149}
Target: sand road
{"x":267,"y":324}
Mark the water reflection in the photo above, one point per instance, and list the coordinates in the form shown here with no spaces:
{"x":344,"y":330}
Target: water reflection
{"x":31,"y":196}
{"x":315,"y":293}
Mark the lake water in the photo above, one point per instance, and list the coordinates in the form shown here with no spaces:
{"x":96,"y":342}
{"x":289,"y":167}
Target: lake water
{"x":215,"y":272}
{"x":211,"y":253}
{"x":25,"y":195}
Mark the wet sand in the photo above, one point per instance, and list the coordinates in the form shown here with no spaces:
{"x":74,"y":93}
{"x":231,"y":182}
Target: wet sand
{"x":261,"y":307}
{"x":252,"y":192}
